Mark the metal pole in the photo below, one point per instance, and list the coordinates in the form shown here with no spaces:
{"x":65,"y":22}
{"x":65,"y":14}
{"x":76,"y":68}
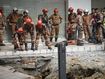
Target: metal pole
{"x":104,"y":45}
{"x":62,"y":60}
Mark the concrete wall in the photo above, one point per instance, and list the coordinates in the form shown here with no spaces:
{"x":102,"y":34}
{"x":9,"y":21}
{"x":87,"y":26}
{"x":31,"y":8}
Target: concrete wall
{"x":35,"y":8}
{"x":98,"y":3}
{"x":84,"y":4}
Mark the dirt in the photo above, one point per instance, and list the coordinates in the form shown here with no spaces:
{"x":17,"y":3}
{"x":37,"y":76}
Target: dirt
{"x":80,"y":65}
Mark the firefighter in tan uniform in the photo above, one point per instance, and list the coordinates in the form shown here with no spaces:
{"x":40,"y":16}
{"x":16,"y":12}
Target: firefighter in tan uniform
{"x":45,"y":20}
{"x":99,"y":30}
{"x":79,"y":27}
{"x":86,"y":25}
{"x":72,"y":25}
{"x":18,"y":36}
{"x":2,"y":23}
{"x":97,"y":34}
{"x":12,"y":20}
{"x":44,"y":17}
{"x":42,"y":30}
{"x":55,"y":20}
{"x":28,"y":27}
{"x":18,"y":39}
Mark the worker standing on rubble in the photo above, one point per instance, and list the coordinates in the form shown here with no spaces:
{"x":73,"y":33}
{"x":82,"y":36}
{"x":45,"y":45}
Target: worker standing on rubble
{"x":79,"y":27}
{"x":86,"y":25}
{"x":72,"y":26}
{"x":42,"y":30}
{"x":55,"y":20}
{"x":2,"y":25}
{"x":12,"y":20}
{"x":28,"y":27}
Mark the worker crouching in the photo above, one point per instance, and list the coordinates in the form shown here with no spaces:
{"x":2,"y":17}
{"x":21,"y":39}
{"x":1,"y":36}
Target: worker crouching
{"x":41,"y":30}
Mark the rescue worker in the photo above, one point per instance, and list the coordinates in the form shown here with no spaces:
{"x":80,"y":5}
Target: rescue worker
{"x":45,"y":20}
{"x":19,"y":34}
{"x":20,"y":20}
{"x":72,"y":25}
{"x":12,"y":20}
{"x":55,"y":20}
{"x":18,"y":39}
{"x":86,"y":25}
{"x":93,"y":11}
{"x":28,"y":27}
{"x":2,"y":25}
{"x":79,"y":27}
{"x":99,"y":30}
{"x":97,"y":20}
{"x":42,"y":30}
{"x":103,"y":24}
{"x":44,"y":17}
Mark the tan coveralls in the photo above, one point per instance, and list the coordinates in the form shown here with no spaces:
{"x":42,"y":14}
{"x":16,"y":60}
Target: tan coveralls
{"x":43,"y":31}
{"x":2,"y":21}
{"x":55,"y":21}
{"x":29,"y":29}
{"x":86,"y":26}
{"x":13,"y":18}
{"x":72,"y":26}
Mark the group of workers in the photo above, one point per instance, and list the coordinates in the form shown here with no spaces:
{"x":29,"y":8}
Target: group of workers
{"x":82,"y":26}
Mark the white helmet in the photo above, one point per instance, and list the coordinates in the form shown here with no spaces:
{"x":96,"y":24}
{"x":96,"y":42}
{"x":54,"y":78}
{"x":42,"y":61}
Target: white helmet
{"x":15,"y":9}
{"x":86,"y":11}
{"x":26,"y":11}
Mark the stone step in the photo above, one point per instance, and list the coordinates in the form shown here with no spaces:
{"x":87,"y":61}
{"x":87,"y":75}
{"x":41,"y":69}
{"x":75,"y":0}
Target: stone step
{"x":46,"y":52}
{"x":87,"y":47}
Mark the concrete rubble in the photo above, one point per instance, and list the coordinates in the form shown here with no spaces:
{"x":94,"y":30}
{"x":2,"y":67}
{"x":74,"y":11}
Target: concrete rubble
{"x":80,"y":64}
{"x":10,"y":73}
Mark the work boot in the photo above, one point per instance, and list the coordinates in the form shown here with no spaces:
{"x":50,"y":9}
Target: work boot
{"x":36,"y":48}
{"x":90,"y":40}
{"x":80,"y":43}
{"x":42,"y":38}
{"x":51,"y":39}
{"x":32,"y":47}
{"x":100,"y":42}
{"x":19,"y":49}
{"x":94,"y":41}
{"x":26,"y":47}
{"x":50,"y":48}
{"x":56,"y":39}
{"x":2,"y":44}
{"x":15,"y":47}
